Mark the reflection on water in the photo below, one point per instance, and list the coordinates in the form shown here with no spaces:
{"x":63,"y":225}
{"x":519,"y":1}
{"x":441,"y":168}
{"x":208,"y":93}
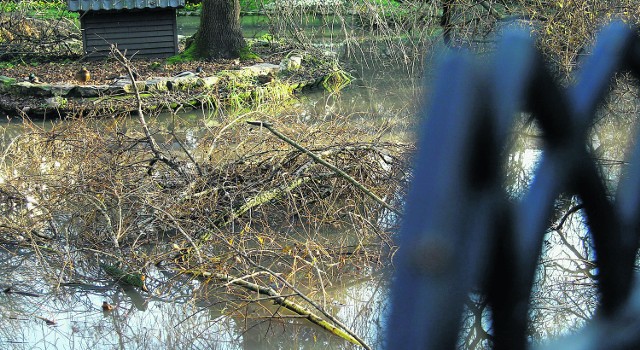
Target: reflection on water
{"x":177,"y":314}
{"x":564,"y":297}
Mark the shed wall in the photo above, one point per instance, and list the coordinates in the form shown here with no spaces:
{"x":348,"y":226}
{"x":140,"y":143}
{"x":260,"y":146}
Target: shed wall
{"x":144,"y":34}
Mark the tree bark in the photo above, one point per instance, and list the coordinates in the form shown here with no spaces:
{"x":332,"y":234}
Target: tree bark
{"x":219,"y":34}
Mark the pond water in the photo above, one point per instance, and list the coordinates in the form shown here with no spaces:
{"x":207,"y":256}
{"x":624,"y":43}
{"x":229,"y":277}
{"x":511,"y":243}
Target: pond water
{"x":185,"y":314}
{"x":170,"y":317}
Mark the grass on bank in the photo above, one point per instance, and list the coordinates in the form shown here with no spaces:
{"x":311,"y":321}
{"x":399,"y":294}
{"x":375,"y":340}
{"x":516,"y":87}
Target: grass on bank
{"x":39,"y":9}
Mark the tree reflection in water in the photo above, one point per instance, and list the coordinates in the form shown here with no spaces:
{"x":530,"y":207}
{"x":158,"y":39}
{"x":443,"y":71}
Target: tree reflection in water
{"x":565,"y":296}
{"x":181,"y":313}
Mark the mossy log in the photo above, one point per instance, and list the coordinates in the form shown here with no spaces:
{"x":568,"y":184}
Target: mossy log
{"x":236,"y":88}
{"x":266,"y":196}
{"x":6,"y":80}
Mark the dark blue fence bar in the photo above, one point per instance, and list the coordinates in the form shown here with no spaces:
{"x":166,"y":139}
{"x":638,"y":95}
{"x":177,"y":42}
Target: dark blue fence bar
{"x":461,"y":234}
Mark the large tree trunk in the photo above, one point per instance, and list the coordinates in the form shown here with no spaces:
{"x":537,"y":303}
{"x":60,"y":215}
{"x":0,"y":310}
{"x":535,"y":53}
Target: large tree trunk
{"x":219,"y":35}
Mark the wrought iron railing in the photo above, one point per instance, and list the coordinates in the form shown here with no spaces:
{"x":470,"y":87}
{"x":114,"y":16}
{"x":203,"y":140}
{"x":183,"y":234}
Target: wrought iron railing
{"x":462,"y":233}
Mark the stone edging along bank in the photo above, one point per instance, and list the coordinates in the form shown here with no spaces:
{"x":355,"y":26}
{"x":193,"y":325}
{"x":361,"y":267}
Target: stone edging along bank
{"x":250,"y":85}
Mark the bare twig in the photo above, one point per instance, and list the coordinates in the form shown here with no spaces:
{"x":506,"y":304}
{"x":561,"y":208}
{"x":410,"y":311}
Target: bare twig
{"x":153,"y":145}
{"x":282,"y":300}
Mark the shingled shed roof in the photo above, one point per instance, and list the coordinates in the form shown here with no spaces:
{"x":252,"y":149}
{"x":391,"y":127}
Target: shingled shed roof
{"x":96,"y":5}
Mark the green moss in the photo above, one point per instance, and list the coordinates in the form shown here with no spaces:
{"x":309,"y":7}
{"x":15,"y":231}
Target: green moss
{"x":155,"y":65}
{"x":246,"y":54}
{"x":188,"y":55}
{"x":57,"y":102}
{"x":130,"y":278}
{"x":6,"y":80}
{"x":193,"y":7}
{"x":7,"y":65}
{"x":39,"y":8}
{"x":336,"y":80}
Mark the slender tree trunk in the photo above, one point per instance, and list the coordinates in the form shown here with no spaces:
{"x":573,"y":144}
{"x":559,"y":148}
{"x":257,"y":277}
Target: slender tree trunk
{"x":219,"y":35}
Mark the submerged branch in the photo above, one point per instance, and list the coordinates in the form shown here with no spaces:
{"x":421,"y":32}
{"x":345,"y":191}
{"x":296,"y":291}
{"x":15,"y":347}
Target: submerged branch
{"x":308,"y":300}
{"x":289,"y":305}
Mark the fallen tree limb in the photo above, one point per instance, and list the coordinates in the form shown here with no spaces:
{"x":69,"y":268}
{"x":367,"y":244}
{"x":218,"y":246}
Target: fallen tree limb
{"x":306,"y":298}
{"x":266,"y":196}
{"x":287,"y":304}
{"x":344,"y":329}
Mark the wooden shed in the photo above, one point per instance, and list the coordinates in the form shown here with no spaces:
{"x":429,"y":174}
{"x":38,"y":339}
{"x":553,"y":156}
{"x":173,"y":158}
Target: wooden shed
{"x":145,"y":28}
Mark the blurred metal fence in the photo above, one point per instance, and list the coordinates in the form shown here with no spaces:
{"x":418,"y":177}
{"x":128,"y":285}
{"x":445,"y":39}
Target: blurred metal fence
{"x":462,"y":234}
